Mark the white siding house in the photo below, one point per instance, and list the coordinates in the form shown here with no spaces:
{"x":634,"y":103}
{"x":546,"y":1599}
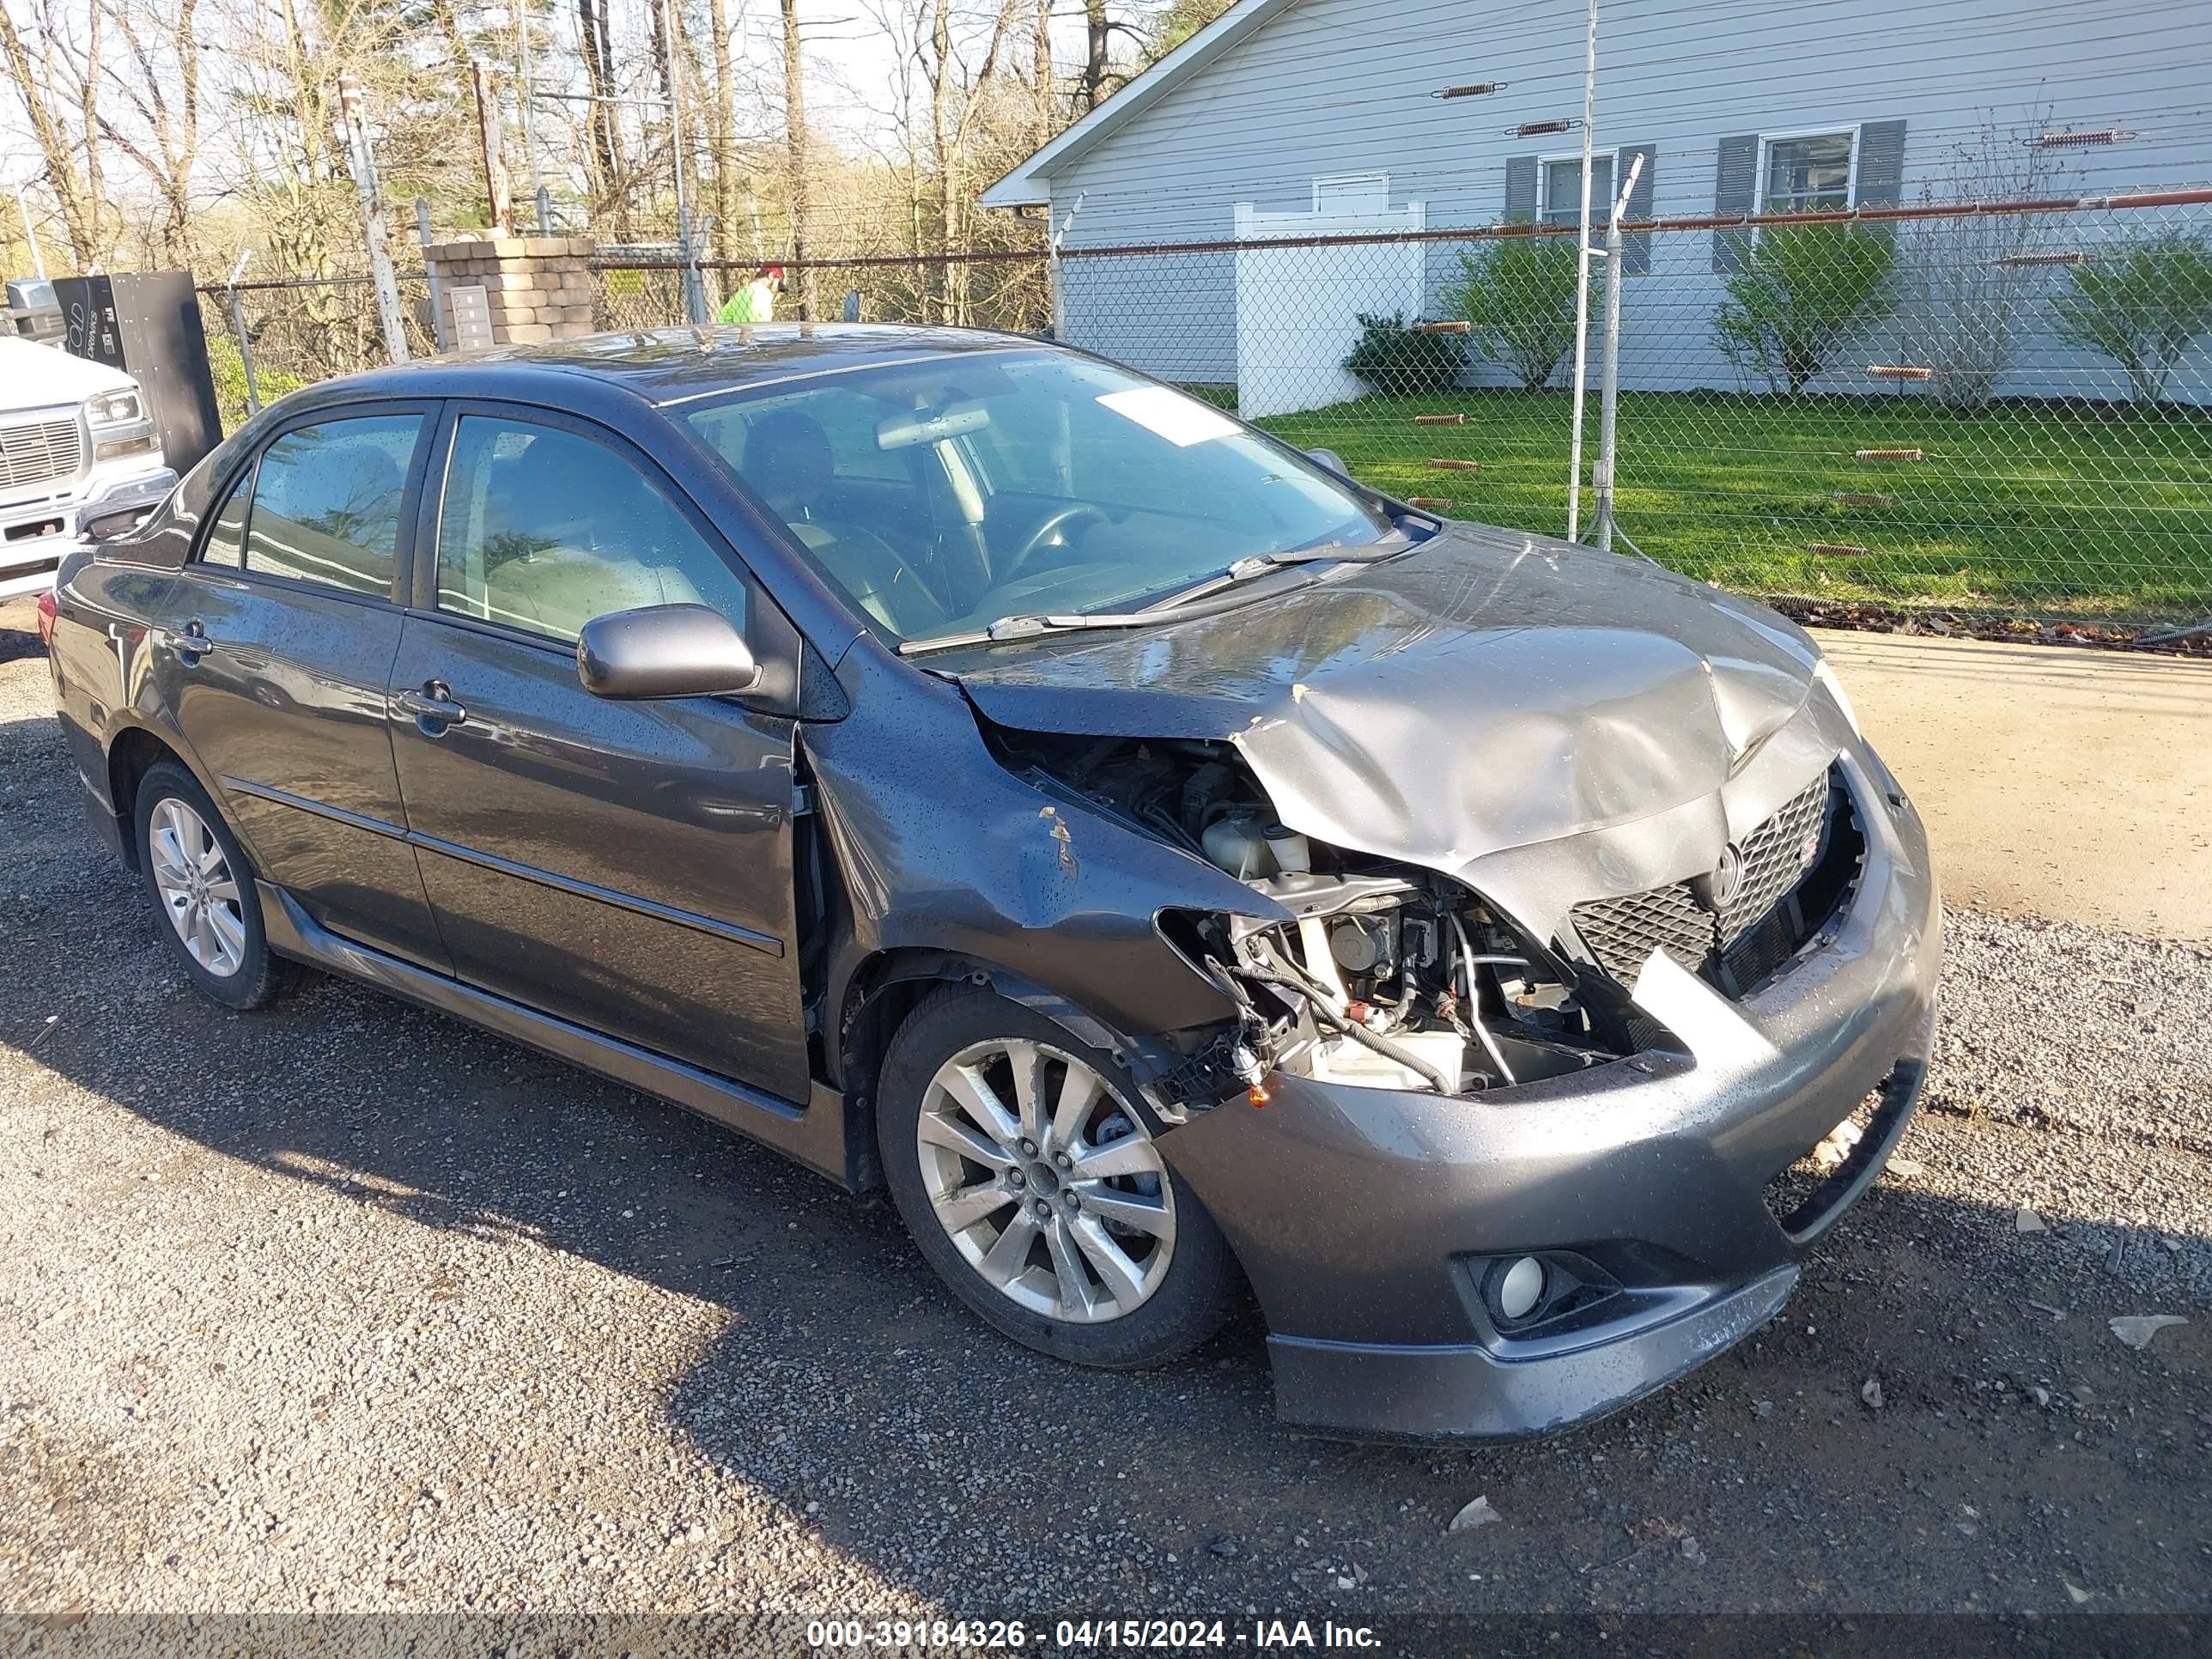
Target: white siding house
{"x":1297,"y":117}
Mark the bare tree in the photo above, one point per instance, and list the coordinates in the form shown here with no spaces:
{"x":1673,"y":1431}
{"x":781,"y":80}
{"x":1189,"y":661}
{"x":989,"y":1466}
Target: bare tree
{"x":794,"y":143}
{"x":1043,"y":98}
{"x":722,"y":131}
{"x":53,"y":64}
{"x":954,"y":97}
{"x":609,"y":178}
{"x":162,"y":89}
{"x":1099,"y":78}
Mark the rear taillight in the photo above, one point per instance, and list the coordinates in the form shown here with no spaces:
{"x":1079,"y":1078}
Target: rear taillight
{"x":50,"y":612}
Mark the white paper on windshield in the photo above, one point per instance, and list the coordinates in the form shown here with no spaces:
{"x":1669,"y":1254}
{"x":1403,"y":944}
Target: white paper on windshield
{"x":1183,"y":421}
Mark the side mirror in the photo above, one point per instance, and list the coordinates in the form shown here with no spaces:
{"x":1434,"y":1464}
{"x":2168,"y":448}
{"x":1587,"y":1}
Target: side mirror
{"x":664,"y":651}
{"x":1331,"y":459}
{"x":121,"y":522}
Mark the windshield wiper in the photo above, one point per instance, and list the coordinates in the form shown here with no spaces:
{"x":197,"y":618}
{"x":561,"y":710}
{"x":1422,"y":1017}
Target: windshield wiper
{"x":1027,"y":627}
{"x":1259,"y":564}
{"x":1165,"y":610}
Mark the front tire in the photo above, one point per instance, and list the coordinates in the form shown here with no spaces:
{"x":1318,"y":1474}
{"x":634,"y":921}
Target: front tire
{"x":1025,"y":1167}
{"x":201,"y":883}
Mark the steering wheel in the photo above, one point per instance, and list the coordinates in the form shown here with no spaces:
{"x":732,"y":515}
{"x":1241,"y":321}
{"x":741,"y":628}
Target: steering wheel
{"x":1055,"y":523}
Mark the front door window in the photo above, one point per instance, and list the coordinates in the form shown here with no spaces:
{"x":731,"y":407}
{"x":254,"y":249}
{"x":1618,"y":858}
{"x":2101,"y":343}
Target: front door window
{"x":542,"y":530}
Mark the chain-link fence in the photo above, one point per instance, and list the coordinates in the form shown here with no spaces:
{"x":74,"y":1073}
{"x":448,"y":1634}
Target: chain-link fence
{"x":2000,"y":409}
{"x":998,"y":289}
{"x":294,"y":332}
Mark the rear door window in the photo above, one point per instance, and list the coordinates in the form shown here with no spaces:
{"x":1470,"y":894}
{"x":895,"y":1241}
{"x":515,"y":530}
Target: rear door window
{"x":326,"y":502}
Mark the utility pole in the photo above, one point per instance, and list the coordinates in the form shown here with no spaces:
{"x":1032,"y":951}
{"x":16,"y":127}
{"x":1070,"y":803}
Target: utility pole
{"x":1582,"y":284}
{"x":1609,"y":373}
{"x":372,"y":218}
{"x":440,"y":335}
{"x":31,"y":234}
{"x":497,"y":192}
{"x":1052,"y":269}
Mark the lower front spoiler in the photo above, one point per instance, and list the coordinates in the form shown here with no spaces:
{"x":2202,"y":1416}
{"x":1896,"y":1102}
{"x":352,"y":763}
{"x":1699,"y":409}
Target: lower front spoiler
{"x":1496,"y":1387}
{"x":1467,"y":1393}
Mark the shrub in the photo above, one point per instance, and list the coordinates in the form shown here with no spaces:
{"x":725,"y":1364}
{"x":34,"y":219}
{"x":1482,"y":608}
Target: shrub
{"x":228,"y":368}
{"x":1396,"y":358}
{"x":1518,"y":294}
{"x":1803,"y":293}
{"x":2143,"y":308}
{"x":1967,"y":299}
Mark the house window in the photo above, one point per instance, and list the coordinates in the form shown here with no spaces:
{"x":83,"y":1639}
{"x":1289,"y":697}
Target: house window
{"x":1352,"y":193}
{"x":1808,"y":173}
{"x":1559,"y":180}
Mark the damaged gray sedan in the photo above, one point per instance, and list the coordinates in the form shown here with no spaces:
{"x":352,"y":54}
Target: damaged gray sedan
{"x":1163,"y":863}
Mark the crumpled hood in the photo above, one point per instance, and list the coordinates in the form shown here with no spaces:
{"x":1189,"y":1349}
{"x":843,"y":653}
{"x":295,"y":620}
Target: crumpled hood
{"x":1486,"y":690}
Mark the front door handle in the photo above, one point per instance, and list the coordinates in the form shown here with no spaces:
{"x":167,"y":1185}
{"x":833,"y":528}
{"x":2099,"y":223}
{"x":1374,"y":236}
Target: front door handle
{"x":433,"y":707}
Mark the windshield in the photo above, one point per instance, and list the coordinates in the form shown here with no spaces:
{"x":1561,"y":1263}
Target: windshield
{"x":948,"y":493}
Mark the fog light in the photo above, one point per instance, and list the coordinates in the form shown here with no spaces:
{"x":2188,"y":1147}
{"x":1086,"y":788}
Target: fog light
{"x":1520,"y":1288}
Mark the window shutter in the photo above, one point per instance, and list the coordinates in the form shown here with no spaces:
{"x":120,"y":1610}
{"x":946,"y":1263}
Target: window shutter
{"x":1519,"y":190}
{"x":1736,"y":188}
{"x":1881,"y":164}
{"x":1636,"y":249}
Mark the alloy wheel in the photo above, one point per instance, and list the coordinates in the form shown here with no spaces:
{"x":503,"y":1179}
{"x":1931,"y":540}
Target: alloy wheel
{"x":1046,"y":1182}
{"x":199,"y":890}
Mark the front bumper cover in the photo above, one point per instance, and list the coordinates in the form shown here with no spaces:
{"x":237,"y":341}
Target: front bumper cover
{"x":37,"y":534}
{"x":1364,"y":1218}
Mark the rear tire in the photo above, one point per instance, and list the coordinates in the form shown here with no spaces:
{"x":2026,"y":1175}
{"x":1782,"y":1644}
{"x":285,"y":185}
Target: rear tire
{"x":201,"y":885}
{"x":1024,"y":1164}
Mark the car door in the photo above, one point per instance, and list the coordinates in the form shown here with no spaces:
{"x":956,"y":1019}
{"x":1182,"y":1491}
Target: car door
{"x":627,"y":866}
{"x":284,"y":626}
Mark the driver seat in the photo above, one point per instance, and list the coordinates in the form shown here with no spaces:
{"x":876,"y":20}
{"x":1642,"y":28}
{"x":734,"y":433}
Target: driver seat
{"x":788,"y":462}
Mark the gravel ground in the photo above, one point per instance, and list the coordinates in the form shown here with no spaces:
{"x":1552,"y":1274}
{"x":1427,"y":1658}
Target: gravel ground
{"x":348,"y":1307}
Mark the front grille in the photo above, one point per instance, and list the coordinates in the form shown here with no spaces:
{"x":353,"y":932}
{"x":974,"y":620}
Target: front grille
{"x":1622,"y":933}
{"x":1737,"y":943}
{"x":37,"y":452}
{"x":1775,"y":856}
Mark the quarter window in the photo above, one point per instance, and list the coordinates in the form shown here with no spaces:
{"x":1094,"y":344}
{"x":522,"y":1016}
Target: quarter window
{"x":542,"y":529}
{"x":225,"y":538}
{"x":1808,"y":174}
{"x":326,"y":502}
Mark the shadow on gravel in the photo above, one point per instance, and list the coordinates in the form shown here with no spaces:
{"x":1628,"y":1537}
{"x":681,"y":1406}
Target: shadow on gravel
{"x":16,"y":643}
{"x":2017,"y":1446}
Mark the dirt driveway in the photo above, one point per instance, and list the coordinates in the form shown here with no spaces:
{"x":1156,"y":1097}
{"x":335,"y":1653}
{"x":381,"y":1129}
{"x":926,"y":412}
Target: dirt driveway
{"x":348,"y":1307}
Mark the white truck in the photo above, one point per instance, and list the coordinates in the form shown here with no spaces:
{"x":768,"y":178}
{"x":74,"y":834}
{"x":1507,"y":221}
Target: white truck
{"x":79,"y":459}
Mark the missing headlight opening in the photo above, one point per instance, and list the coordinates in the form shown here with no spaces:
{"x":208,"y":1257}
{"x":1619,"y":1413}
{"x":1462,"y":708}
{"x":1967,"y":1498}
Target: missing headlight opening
{"x":1386,"y":975}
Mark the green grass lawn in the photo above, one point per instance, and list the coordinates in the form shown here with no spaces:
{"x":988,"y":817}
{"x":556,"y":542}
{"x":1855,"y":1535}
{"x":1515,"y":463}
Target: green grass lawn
{"x":2033,"y":508}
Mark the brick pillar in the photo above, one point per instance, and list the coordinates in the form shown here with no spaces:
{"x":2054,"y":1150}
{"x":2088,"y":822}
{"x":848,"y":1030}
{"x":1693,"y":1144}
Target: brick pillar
{"x":536,"y":287}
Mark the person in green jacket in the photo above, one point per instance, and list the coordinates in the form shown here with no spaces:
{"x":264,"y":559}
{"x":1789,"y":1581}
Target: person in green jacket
{"x":755,"y":302}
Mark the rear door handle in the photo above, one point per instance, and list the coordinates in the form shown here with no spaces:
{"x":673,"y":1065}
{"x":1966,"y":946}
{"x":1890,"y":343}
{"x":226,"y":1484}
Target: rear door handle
{"x":433,"y":707}
{"x":193,"y":643}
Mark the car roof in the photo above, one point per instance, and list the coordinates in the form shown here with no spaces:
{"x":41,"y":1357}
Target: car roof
{"x":666,"y":365}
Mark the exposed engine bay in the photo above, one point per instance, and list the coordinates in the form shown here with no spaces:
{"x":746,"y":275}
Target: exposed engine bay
{"x":1386,"y":975}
